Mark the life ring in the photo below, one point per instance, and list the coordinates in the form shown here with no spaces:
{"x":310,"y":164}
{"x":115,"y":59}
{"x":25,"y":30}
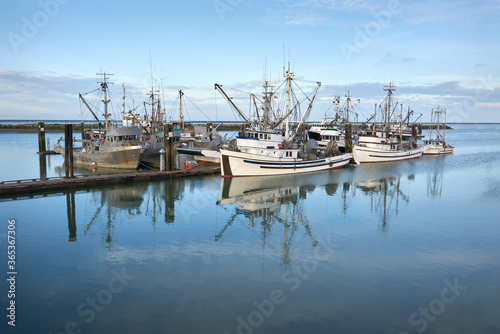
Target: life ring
{"x":101,"y":140}
{"x":282,"y":145}
{"x":146,"y":138}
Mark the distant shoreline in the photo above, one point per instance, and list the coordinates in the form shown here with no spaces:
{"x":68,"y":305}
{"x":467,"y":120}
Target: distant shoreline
{"x":32,"y":127}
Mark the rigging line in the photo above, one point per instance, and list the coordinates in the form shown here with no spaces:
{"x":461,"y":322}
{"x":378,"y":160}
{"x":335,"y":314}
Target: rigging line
{"x":91,"y":91}
{"x":307,"y":81}
{"x":301,"y":90}
{"x":197,"y":107}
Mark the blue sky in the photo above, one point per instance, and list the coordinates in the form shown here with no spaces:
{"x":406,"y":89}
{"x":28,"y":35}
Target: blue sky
{"x":436,"y":52}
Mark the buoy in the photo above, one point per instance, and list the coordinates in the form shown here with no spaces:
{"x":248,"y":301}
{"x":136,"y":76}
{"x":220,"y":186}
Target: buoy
{"x":94,"y":163}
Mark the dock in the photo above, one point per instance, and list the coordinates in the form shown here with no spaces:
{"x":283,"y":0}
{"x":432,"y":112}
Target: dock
{"x":31,"y":186}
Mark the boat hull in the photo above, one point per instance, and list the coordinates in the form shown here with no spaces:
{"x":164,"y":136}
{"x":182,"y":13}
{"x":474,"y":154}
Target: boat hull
{"x":109,"y":157}
{"x":245,"y":164}
{"x":437,"y":150}
{"x":208,"y":158}
{"x":371,"y":154}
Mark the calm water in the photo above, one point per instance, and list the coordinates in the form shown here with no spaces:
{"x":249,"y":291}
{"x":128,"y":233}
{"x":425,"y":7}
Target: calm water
{"x":410,"y":247}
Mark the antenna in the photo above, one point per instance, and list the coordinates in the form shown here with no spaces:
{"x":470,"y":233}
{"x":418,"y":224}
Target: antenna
{"x":265,"y":67}
{"x":283,"y":58}
{"x":151,"y":67}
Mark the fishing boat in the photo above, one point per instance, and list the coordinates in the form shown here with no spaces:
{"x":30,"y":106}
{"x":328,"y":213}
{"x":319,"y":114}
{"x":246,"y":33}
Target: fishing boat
{"x":110,"y":145}
{"x":379,"y":144}
{"x":436,"y":144}
{"x":271,"y":151}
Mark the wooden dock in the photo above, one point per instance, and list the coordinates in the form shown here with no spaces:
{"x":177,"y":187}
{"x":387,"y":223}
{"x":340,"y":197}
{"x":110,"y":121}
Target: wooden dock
{"x":29,"y":186}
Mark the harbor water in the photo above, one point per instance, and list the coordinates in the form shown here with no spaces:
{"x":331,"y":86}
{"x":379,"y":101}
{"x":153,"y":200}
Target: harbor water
{"x":404,"y":247}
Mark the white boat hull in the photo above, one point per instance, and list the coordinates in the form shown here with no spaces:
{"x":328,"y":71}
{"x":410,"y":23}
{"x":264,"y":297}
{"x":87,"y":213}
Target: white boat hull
{"x":372,"y":154}
{"x":437,"y":150}
{"x":246,"y":164}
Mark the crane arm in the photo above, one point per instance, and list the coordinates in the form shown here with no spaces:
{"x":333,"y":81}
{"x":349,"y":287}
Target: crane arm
{"x":91,"y":111}
{"x":231,"y":103}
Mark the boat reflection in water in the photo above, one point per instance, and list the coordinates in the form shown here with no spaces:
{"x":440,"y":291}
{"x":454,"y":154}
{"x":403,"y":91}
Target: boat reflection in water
{"x":266,"y":202}
{"x":112,"y":205}
{"x":272,"y":207}
{"x":385,"y":195}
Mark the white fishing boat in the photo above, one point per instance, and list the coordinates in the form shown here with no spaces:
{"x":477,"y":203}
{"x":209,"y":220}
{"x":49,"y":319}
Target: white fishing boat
{"x":436,"y":144}
{"x":276,"y":162}
{"x":279,"y":152}
{"x":378,"y":145}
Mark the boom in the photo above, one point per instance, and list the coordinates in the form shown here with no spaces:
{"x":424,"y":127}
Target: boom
{"x":231,"y":103}
{"x":92,"y":112}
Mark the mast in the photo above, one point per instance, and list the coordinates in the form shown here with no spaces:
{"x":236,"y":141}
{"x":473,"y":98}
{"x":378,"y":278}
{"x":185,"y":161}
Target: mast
{"x":123,"y":97}
{"x":153,"y":123}
{"x":389,"y":89}
{"x":181,"y":118}
{"x":267,"y":100}
{"x":104,"y":87}
{"x":444,"y":129}
{"x":347,"y":109}
{"x":289,"y":75}
{"x":401,"y":128}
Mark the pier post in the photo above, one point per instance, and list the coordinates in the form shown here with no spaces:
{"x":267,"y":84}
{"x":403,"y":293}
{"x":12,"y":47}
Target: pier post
{"x":42,"y":158}
{"x":41,"y":137}
{"x":71,"y":212}
{"x":68,"y":149}
{"x":162,"y":160}
{"x":414,"y":132}
{"x":169,"y":202}
{"x":419,"y":128}
{"x":168,"y":147}
{"x":209,"y":130}
{"x":83,"y":131}
{"x":171,"y":154}
{"x":348,"y":138}
{"x":242,"y":130}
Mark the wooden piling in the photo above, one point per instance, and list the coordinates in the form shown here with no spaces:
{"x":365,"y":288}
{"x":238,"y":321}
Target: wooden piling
{"x":83,"y":130}
{"x":414,"y":132}
{"x":168,"y":146}
{"x":41,"y":137}
{"x":242,"y":129}
{"x":209,"y":129}
{"x":68,"y":150}
{"x":71,"y":212}
{"x":348,"y":138}
{"x":42,"y":161}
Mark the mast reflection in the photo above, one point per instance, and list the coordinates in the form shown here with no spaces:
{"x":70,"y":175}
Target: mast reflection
{"x":273,"y":207}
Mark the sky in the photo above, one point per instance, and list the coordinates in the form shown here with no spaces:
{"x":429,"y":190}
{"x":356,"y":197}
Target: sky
{"x":436,"y":53}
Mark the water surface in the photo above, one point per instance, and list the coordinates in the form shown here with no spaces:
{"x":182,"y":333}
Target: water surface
{"x":408,"y":247}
